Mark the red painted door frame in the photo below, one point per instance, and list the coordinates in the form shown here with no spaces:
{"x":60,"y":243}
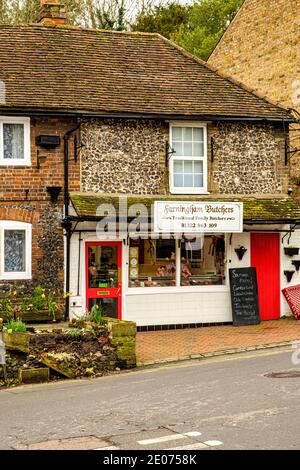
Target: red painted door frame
{"x":105,"y":292}
{"x":265,"y":256}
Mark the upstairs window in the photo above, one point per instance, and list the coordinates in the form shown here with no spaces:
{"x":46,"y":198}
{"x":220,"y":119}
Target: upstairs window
{"x":15,"y":250}
{"x":14,"y":141}
{"x":188,"y":164}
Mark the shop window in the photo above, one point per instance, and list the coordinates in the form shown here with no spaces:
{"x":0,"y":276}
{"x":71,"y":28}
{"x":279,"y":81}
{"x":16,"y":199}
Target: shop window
{"x":203,"y":261}
{"x":14,"y":141}
{"x":15,"y":250}
{"x":188,"y":163}
{"x":152,"y":263}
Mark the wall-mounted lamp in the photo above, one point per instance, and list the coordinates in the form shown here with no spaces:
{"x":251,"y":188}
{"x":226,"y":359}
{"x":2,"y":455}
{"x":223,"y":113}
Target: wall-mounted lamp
{"x":54,"y":192}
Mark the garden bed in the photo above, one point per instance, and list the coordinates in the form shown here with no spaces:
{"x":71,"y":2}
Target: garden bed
{"x":86,"y":349}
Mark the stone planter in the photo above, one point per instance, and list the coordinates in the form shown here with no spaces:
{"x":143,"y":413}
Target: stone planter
{"x":123,"y":337}
{"x":38,"y":316}
{"x":291,"y":251}
{"x":16,"y":341}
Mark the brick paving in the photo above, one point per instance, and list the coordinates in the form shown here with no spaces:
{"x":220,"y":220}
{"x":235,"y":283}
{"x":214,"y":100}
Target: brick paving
{"x":163,"y":345}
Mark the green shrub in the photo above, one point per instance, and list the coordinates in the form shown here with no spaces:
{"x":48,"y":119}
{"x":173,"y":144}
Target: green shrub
{"x":15,"y":325}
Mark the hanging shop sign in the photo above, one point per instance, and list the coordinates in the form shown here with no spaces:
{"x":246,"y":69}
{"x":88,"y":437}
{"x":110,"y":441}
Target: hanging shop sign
{"x":195,"y":217}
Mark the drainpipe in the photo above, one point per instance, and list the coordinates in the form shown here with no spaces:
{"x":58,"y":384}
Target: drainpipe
{"x":67,"y":224}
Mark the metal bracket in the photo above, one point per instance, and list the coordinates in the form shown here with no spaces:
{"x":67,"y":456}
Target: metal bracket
{"x":289,"y":233}
{"x":169,"y":152}
{"x":39,"y":157}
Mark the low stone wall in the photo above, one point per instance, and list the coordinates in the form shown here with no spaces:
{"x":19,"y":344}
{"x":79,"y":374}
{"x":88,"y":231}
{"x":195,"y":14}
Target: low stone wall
{"x":122,"y":336}
{"x":86,"y":349}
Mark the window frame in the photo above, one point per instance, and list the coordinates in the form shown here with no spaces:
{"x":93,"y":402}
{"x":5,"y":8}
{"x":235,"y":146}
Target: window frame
{"x":173,"y":158}
{"x":177,"y":288}
{"x":13,"y":225}
{"x":26,"y":161}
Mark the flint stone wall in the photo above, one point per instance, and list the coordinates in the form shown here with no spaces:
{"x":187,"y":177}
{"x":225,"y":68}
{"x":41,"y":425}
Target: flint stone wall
{"x":129,"y":157}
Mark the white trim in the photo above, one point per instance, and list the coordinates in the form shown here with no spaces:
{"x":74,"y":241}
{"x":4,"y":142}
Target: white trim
{"x":12,"y":225}
{"x":26,"y":161}
{"x":188,"y":190}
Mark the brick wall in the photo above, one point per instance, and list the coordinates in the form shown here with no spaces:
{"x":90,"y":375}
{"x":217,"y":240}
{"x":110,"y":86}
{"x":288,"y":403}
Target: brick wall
{"x":261,"y":50}
{"x":24,"y":198}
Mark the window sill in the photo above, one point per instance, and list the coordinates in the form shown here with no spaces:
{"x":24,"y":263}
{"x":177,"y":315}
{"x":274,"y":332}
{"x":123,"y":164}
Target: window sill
{"x":187,"y":192}
{"x":15,"y":164}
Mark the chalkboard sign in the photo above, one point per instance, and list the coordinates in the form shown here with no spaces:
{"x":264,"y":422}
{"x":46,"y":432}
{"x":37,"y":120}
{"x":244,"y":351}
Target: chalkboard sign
{"x":244,"y":296}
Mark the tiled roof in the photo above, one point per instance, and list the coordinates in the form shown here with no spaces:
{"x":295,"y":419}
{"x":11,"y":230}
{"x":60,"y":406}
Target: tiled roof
{"x":272,"y":208}
{"x":91,"y":71}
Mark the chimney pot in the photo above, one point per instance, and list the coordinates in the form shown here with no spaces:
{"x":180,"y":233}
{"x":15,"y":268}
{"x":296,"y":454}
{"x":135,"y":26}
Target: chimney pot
{"x":51,"y":12}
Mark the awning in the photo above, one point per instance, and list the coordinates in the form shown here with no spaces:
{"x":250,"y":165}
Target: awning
{"x":273,"y":209}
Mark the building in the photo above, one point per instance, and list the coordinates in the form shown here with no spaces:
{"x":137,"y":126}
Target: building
{"x":266,"y":58}
{"x":105,"y":136}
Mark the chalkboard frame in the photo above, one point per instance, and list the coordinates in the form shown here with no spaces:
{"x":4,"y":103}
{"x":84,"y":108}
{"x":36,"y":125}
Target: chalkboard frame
{"x":238,"y":319}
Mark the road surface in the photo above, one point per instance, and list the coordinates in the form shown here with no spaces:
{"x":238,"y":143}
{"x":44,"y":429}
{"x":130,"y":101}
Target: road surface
{"x":224,"y":402}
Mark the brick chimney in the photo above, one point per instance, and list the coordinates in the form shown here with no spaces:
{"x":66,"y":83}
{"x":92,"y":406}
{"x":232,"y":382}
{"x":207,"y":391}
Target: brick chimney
{"x":51,"y":12}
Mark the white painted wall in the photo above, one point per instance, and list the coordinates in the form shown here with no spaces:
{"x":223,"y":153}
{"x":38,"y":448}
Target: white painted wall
{"x":286,"y":264}
{"x":205,"y":304}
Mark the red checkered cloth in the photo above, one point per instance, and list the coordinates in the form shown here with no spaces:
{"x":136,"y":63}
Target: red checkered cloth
{"x":292,"y":295}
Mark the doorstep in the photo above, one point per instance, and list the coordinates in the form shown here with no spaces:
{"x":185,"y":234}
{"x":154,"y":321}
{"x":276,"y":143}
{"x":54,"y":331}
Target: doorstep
{"x":157,"y":347}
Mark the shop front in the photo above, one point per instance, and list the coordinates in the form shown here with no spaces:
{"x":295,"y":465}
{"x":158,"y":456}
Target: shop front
{"x":177,"y":275}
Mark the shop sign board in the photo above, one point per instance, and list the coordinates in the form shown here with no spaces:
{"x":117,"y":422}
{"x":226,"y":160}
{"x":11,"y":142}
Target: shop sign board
{"x":198,"y":217}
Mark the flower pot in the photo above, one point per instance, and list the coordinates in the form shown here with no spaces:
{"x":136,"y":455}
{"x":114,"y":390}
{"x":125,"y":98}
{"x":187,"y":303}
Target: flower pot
{"x":291,"y":251}
{"x":296,"y":263}
{"x":16,"y":341}
{"x":240,"y":252}
{"x":288,"y":275}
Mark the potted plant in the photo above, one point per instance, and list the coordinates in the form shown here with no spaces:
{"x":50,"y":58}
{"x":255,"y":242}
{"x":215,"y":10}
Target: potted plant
{"x":41,"y":306}
{"x":291,"y":250}
{"x":15,"y":336}
{"x":288,"y":275}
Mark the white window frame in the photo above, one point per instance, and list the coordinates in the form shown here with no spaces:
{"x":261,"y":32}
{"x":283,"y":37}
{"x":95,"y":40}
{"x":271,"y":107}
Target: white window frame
{"x":26,"y":161}
{"x":188,"y":190}
{"x":12,"y":225}
{"x":178,"y":288}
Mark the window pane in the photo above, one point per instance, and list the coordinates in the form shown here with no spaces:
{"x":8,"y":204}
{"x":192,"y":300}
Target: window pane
{"x":178,"y":181}
{"x":13,"y":141}
{"x":177,"y":146}
{"x":178,"y":166}
{"x":198,"y":134}
{"x":203,"y":261}
{"x":188,"y":166}
{"x":108,"y":305}
{"x":14,"y":251}
{"x":177,"y":133}
{"x":103,"y":266}
{"x":154,"y":263}
{"x":188,"y":149}
{"x":198,"y":149}
{"x":198,"y":181}
{"x":198,"y":167}
{"x":187,"y":134}
{"x":188,"y":181}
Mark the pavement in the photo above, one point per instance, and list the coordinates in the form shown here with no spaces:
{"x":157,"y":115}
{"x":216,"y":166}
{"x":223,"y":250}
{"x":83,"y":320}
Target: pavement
{"x":154,"y":347}
{"x":225,"y":402}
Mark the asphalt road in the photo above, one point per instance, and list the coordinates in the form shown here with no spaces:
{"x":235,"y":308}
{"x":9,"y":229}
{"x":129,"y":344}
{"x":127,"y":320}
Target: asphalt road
{"x":224,"y":402}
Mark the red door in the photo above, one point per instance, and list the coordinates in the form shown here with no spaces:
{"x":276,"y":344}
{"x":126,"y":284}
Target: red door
{"x":103,"y":277}
{"x":265,"y":257}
